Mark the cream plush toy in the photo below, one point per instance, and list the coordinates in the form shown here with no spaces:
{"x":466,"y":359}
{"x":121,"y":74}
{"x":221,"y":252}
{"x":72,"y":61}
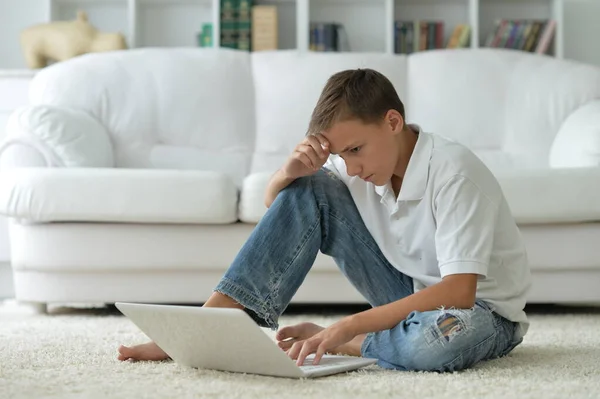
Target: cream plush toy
{"x":61,"y":40}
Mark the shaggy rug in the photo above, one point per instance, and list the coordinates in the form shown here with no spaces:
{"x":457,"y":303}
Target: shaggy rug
{"x":71,"y":353}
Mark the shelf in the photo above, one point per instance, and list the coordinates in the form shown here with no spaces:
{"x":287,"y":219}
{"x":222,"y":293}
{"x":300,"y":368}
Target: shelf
{"x":368,"y":24}
{"x":490,"y":11}
{"x":108,"y":16}
{"x":287,"y":22}
{"x":171,"y":23}
{"x":169,"y":3}
{"x":429,"y":3}
{"x":90,"y":2}
{"x":452,"y":13}
{"x":364,"y":27}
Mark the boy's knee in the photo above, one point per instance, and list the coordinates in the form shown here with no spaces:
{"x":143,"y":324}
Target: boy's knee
{"x":299,"y":185}
{"x":433,"y":343}
{"x":323,"y":186}
{"x":321,"y":177}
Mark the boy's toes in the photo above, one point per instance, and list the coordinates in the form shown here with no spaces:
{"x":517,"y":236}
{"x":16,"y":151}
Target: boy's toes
{"x":125,"y":353}
{"x":285,"y":333}
{"x":285,"y":345}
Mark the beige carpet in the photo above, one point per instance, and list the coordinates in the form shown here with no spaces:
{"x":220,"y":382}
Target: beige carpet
{"x":72,"y":354}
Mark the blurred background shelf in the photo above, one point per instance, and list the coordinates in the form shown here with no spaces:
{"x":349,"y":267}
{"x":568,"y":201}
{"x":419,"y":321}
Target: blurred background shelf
{"x":365,"y":25}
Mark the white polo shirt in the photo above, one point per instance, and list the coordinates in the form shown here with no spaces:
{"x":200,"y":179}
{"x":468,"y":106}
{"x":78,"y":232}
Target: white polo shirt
{"x":450,"y":217}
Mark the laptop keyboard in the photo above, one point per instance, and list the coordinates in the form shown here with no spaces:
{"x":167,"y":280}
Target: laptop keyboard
{"x":325,"y":362}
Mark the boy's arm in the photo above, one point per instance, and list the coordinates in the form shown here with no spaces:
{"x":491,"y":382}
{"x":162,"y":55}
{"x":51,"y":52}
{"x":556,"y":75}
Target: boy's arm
{"x":466,"y":219}
{"x":306,"y":159}
{"x":277,"y":183}
{"x":457,"y":290}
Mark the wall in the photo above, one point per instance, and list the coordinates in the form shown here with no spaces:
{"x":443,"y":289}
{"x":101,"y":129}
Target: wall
{"x":582,"y":18}
{"x":16,"y":15}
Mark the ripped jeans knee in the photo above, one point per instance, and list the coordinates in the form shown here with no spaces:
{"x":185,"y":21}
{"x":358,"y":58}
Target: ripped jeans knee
{"x":440,"y":340}
{"x":451,"y":323}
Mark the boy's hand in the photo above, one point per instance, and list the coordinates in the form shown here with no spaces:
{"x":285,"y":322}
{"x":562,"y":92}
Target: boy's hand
{"x":328,"y":339}
{"x":308,"y":157}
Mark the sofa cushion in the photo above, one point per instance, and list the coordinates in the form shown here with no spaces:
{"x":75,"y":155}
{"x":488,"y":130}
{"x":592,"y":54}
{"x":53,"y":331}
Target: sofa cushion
{"x":577,"y":144}
{"x":117,"y":195}
{"x":553,"y":195}
{"x":534,"y":196}
{"x":288,"y":84}
{"x":498,"y":99}
{"x":445,"y":87}
{"x":152,"y":99}
{"x":252,"y":198}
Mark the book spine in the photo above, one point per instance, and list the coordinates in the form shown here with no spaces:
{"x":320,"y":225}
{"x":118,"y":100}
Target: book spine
{"x":244,"y":25}
{"x":228,"y":24}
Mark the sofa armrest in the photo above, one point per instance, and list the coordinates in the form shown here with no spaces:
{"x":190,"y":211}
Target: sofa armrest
{"x":577,"y":143}
{"x":49,"y":136}
{"x":118,"y":195}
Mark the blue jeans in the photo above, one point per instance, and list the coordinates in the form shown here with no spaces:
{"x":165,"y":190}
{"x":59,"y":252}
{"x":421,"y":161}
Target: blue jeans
{"x":317,"y":213}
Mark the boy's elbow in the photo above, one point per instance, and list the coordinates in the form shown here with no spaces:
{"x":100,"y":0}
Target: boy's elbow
{"x":468,"y":299}
{"x":269,"y":200}
{"x":465,"y":285}
{"x":468,"y":302}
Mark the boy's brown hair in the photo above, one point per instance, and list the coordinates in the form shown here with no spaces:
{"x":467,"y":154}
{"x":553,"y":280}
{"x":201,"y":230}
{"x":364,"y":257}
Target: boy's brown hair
{"x":362,"y":94}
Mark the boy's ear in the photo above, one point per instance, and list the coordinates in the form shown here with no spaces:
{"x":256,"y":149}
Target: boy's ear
{"x":394,"y":120}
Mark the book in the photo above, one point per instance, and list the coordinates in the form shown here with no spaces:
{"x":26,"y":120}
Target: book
{"x":264,"y":27}
{"x":328,"y":37}
{"x":244,"y":25}
{"x":228,"y":34}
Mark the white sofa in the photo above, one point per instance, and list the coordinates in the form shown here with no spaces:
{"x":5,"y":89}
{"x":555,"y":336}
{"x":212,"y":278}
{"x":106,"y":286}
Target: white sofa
{"x":137,"y":175}
{"x":14,"y":85}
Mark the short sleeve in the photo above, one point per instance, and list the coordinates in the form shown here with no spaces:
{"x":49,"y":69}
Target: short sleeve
{"x":466,"y":220}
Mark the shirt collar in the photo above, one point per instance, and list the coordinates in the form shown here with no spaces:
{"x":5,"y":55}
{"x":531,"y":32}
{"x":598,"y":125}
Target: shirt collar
{"x":417,"y":172}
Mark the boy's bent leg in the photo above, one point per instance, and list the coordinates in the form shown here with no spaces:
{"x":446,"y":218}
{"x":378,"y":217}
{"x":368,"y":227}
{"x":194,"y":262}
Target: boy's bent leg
{"x":311,"y":214}
{"x":442,"y":340}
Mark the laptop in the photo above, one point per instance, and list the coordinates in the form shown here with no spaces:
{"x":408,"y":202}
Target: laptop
{"x":227,"y":340}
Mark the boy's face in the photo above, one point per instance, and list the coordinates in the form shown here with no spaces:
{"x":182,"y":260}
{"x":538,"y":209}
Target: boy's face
{"x":370,"y":151}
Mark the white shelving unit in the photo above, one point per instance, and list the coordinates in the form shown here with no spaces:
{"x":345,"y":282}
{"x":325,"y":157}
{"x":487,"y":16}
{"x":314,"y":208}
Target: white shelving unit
{"x":369,"y":23}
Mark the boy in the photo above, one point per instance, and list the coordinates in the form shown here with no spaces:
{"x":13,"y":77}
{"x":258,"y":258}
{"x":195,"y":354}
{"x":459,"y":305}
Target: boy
{"x":416,"y":222}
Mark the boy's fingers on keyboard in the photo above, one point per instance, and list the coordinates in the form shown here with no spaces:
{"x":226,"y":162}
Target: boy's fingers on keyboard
{"x":307,"y":349}
{"x":319,"y":354}
{"x":295,"y":350}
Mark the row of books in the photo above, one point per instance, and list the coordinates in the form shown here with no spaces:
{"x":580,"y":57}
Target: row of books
{"x":243,"y":27}
{"x":527,"y":35}
{"x":417,"y":35}
{"x":328,"y":36}
{"x":248,"y":27}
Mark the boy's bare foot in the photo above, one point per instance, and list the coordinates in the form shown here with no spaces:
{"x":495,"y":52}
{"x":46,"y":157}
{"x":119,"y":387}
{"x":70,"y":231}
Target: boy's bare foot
{"x":288,"y":335}
{"x":147,"y":351}
{"x":151,"y":351}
